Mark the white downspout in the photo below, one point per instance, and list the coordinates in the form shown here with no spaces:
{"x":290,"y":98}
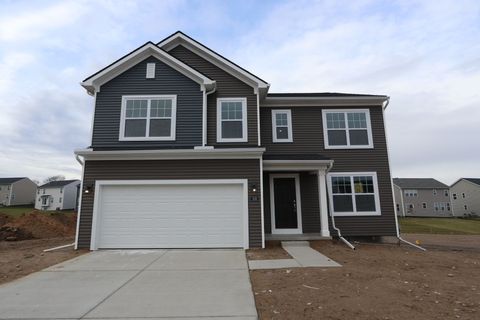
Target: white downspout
{"x":339,"y":233}
{"x":82,"y":163}
{"x":204,"y":117}
{"x":391,"y":183}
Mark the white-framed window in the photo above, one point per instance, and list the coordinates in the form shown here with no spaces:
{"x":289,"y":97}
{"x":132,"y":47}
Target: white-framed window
{"x":282,"y":126}
{"x":353,"y":193}
{"x":424,"y":205}
{"x":232,"y":120}
{"x":465,"y":207}
{"x":347,"y":129}
{"x":398,"y":207}
{"x":60,"y":200}
{"x":454,"y":195}
{"x":61,"y":190}
{"x":463,"y":195}
{"x":445,"y":192}
{"x":448,"y":206}
{"x":410,"y":207}
{"x":148,"y":118}
{"x":411,"y":193}
{"x":434,"y":192}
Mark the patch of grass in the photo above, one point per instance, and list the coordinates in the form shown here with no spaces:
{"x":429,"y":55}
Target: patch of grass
{"x":16,"y":212}
{"x":439,"y":225}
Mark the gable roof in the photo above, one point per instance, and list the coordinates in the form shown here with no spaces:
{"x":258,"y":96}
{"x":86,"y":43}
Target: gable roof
{"x":57,"y":184}
{"x":471,"y":180}
{"x":10,"y":180}
{"x":180,"y":38}
{"x":419,"y":183}
{"x":93,"y":82}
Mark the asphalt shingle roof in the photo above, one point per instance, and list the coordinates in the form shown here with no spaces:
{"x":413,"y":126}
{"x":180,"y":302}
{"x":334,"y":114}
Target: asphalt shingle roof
{"x":322,"y":94}
{"x":419,"y":183}
{"x":56,"y":184}
{"x":473,"y":180}
{"x":10,"y":180}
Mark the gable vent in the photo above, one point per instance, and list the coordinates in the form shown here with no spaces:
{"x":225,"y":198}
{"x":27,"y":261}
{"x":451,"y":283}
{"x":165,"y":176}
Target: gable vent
{"x":150,"y":70}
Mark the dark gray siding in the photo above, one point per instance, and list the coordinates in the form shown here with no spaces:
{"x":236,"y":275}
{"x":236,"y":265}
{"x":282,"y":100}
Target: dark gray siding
{"x":133,"y":82}
{"x":171,"y":169}
{"x":227,"y":86}
{"x":309,"y":201}
{"x":308,"y":138}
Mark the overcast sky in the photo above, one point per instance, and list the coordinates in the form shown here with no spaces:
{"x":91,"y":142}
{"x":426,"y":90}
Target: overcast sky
{"x":424,"y":54}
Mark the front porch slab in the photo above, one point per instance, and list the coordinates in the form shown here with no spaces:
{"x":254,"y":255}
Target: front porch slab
{"x":306,"y":256}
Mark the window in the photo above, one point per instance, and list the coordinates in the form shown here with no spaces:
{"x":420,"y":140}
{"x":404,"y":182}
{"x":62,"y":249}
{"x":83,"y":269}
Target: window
{"x":148,"y":118}
{"x":354,"y":194}
{"x":410,"y":207}
{"x":411,"y":193}
{"x":454,"y":195}
{"x":445,"y":193}
{"x":61,"y":190}
{"x":424,"y":205}
{"x":441,"y":206}
{"x":232,"y":120}
{"x":448,"y":206}
{"x":60,"y":200}
{"x":398,"y":207}
{"x":434,"y":192}
{"x":347,"y":129}
{"x":463,"y":195}
{"x":435,"y":206}
{"x":38,"y":191}
{"x":465,"y":207}
{"x":45,"y":201}
{"x":43,"y":191}
{"x":282,"y":126}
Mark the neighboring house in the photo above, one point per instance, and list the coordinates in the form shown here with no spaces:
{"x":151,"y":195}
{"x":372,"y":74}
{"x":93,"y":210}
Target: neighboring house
{"x":190,"y":150}
{"x":465,"y":197}
{"x":17,"y":191}
{"x":58,"y":195}
{"x":421,"y":197}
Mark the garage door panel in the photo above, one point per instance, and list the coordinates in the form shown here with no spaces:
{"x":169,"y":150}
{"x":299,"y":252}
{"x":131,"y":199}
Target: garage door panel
{"x":171,"y":216}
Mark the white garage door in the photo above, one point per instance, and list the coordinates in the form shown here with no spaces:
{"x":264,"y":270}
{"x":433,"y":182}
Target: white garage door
{"x":170,"y":216}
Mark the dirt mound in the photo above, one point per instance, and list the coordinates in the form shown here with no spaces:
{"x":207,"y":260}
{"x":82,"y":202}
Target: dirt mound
{"x":39,"y":225}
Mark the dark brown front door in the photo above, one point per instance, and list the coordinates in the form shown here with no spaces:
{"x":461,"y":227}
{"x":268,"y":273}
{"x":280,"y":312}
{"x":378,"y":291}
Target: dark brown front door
{"x":285,"y":201}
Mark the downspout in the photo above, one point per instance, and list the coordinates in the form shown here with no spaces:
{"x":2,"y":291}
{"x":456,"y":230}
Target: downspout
{"x":391,"y":183}
{"x":339,"y":233}
{"x":82,"y":163}
{"x":204,"y":122}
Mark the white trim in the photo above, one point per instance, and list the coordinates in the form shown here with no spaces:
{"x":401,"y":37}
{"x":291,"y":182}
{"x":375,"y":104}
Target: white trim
{"x":178,"y":38}
{"x":150,"y":70}
{"x":93,"y":83}
{"x":323,"y":203}
{"x":289,"y":125}
{"x":10,"y":195}
{"x":149,"y":99}
{"x":270,"y":101}
{"x":377,"y":212}
{"x":299,"y":229}
{"x":79,"y":209}
{"x":169,"y":154}
{"x":296,"y":165}
{"x":244,"y":137}
{"x":262,"y":211}
{"x":258,"y":118}
{"x":100,"y":183}
{"x":347,"y":129}
{"x":93,"y":117}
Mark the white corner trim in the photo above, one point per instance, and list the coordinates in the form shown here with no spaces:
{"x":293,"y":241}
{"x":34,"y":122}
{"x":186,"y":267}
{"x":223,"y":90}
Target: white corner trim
{"x":244,"y":137}
{"x":79,"y":208}
{"x":289,"y":125}
{"x":377,"y":212}
{"x":173,"y":118}
{"x":100,"y":183}
{"x":93,"y":83}
{"x":262,"y":210}
{"x":347,"y":146}
{"x":298,"y":197}
{"x":173,"y":154}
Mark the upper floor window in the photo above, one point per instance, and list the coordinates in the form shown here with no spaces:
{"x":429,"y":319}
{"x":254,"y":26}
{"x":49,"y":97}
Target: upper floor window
{"x":434,"y":192}
{"x":282,"y":126}
{"x":148,"y":117}
{"x":232,"y":120}
{"x":445,"y":193}
{"x":454,"y":196}
{"x":347,"y":129}
{"x":411,"y":193}
{"x":354,"y":194}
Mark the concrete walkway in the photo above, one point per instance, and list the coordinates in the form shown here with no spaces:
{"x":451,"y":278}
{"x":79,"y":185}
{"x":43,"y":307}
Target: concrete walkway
{"x":303,"y":256}
{"x":136,"y":284}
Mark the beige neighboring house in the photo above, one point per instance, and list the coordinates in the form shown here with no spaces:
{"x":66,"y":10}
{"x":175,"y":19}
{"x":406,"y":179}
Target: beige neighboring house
{"x":465,"y":197}
{"x":421,"y":197}
{"x":58,"y":195}
{"x":17,"y":191}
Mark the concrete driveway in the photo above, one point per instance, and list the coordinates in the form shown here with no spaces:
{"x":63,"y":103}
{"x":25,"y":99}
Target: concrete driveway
{"x":136,"y":284}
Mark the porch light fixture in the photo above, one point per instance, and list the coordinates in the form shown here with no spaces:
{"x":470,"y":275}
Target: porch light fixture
{"x":87,"y":189}
{"x":253,"y":188}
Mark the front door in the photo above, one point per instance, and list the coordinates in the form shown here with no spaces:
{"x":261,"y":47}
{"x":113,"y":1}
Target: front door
{"x":286,"y":207}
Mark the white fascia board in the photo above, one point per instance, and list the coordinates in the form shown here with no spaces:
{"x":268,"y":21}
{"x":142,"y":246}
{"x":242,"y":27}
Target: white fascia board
{"x":321,"y":101}
{"x":227,"y":153}
{"x":93,"y":84}
{"x":296,"y":165}
{"x":180,"y":39}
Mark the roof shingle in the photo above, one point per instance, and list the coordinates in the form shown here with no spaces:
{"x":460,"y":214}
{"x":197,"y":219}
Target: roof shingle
{"x":419,"y":183}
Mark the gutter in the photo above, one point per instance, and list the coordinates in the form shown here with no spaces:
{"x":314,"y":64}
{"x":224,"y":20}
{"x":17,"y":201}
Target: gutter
{"x":204,"y":119}
{"x":339,"y":233}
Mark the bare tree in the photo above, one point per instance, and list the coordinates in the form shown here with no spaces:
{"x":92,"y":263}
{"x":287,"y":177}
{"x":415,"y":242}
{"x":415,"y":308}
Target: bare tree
{"x":54,"y":178}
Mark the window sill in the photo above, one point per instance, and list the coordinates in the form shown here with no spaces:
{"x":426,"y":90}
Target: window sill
{"x":356,"y":214}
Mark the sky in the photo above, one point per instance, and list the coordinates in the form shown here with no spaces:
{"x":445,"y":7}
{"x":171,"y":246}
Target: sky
{"x":425,"y":55}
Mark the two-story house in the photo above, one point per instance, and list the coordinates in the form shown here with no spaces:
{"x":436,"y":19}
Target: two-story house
{"x":17,"y":191}
{"x":421,"y":197}
{"x":465,"y":197}
{"x":190,"y":150}
{"x":58,"y":195}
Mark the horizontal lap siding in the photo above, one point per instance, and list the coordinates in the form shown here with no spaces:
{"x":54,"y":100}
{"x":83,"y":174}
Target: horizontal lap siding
{"x":133,"y":82}
{"x":308,"y":138}
{"x":170,"y":169}
{"x":227,"y":86}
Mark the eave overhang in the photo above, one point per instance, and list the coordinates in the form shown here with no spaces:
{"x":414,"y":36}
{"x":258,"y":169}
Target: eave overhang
{"x":323,"y":101}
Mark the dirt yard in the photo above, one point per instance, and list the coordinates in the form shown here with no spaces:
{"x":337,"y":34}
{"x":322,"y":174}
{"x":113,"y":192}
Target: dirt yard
{"x":377,"y":281}
{"x":19,"y":258}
